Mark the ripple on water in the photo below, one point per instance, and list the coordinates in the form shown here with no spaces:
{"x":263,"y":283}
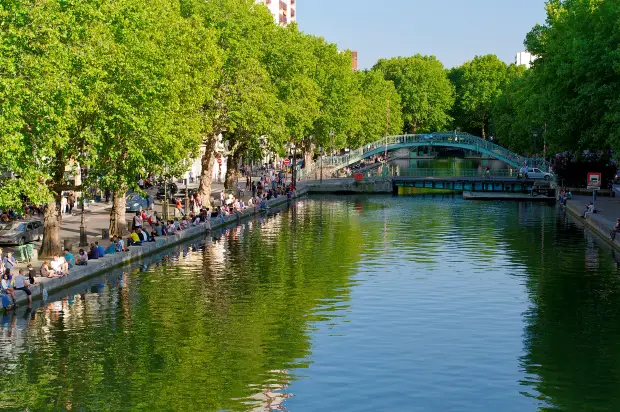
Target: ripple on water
{"x":359,"y":303}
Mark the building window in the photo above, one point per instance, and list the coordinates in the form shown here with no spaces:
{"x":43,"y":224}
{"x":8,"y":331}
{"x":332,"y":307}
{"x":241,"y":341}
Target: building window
{"x":292,"y":13}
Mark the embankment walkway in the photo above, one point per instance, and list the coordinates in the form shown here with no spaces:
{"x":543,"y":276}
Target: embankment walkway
{"x":77,"y":274}
{"x":608,"y":210}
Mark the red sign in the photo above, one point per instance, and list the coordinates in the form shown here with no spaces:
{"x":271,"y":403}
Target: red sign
{"x":358,"y":177}
{"x":594,"y":180}
{"x":219,"y":160}
{"x":286,"y":162}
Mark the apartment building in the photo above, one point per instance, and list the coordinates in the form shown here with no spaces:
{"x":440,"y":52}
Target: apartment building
{"x":284,"y":11}
{"x":524,"y":58}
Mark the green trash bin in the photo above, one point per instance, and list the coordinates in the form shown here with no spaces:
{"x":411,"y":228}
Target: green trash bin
{"x":22,"y":252}
{"x":29,"y":251}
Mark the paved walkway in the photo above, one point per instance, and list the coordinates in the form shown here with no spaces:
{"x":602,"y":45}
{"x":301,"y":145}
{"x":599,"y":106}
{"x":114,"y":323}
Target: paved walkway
{"x":97,"y":217}
{"x":608,"y":210}
{"x":99,"y":213}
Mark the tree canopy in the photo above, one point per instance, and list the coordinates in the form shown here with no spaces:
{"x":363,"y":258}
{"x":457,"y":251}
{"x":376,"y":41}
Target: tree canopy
{"x":425,"y":91}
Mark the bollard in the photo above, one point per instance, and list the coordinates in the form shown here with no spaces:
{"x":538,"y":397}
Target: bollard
{"x":67,"y":244}
{"x":105,"y":234}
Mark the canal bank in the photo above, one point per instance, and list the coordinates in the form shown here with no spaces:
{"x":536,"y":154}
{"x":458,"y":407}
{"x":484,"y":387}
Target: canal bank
{"x":602,"y":222}
{"x":78,"y":274}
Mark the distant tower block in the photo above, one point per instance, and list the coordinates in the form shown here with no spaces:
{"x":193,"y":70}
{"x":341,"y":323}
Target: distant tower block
{"x":284,"y":11}
{"x":524,"y":59}
{"x":354,"y":60}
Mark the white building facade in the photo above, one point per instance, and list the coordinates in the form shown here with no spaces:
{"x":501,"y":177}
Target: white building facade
{"x":284,"y":11}
{"x":524,"y":59}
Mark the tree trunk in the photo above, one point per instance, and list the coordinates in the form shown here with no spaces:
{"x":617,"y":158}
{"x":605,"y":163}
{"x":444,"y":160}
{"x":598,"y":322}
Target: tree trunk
{"x":52,"y":218}
{"x":206,"y":175}
{"x":484,"y":134}
{"x":231,"y":169}
{"x":117,"y":215}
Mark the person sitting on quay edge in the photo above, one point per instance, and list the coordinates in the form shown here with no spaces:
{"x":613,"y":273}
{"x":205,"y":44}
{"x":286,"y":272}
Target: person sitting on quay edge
{"x":93,"y":253}
{"x":158,"y":230}
{"x":64,"y":265}
{"x":111,"y":247}
{"x":56,"y":265}
{"x":144,"y":236}
{"x":32,"y":274}
{"x":19,"y":283}
{"x":6,"y":286}
{"x":134,"y":238}
{"x":100,"y":249}
{"x":615,"y":230}
{"x":69,"y":258}
{"x":46,"y":272}
{"x":589,"y":210}
{"x":82,"y":258}
{"x":120,"y":244}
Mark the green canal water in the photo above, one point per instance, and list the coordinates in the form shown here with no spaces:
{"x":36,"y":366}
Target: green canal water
{"x":338,"y":304}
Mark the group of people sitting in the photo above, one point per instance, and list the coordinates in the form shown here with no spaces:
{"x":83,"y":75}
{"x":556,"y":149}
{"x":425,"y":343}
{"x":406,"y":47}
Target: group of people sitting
{"x":565,"y":195}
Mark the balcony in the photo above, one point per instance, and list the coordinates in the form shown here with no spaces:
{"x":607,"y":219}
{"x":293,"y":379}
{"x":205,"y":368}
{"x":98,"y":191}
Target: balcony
{"x":283,"y":5}
{"x":292,"y":13}
{"x":283,"y":19}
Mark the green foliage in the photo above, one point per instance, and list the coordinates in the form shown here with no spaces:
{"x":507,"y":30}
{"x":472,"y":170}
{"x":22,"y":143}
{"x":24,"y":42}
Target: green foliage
{"x":577,"y":72}
{"x":425,"y":91}
{"x":478,"y":84}
{"x":573,"y":86}
{"x":377,"y":94}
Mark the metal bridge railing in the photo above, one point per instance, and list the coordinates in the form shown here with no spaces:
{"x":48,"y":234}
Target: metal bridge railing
{"x":424,"y":172}
{"x":449,"y":139}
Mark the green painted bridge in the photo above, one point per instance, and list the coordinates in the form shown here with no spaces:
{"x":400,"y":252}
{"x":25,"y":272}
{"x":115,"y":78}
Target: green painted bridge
{"x":464,"y":141}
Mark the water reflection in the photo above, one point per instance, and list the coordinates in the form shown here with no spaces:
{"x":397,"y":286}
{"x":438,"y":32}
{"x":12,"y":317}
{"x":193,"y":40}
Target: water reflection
{"x":358,"y":304}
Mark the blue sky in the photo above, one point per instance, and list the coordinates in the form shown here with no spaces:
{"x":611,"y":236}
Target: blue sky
{"x":453,"y":30}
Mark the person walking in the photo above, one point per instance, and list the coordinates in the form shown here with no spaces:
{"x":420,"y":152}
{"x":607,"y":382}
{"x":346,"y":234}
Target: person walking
{"x":71,"y":201}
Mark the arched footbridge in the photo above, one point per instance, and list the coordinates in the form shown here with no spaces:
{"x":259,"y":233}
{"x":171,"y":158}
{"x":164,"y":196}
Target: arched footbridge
{"x":464,"y":141}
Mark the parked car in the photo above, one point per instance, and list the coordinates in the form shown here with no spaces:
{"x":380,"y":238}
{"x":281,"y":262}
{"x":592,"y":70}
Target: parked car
{"x":536,"y":173}
{"x":171,"y":190}
{"x":134,"y":203}
{"x":20,"y":232}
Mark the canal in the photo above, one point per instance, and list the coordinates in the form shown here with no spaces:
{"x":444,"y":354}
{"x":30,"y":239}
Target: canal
{"x":338,"y":304}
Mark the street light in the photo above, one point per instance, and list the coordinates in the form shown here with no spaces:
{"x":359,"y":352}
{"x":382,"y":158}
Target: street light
{"x":83,"y":237}
{"x":294,"y":166}
{"x":321,"y":154}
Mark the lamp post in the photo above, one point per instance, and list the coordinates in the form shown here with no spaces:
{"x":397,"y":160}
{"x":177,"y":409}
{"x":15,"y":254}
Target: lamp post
{"x":321,"y":154}
{"x":294,"y":166}
{"x":83,"y":237}
{"x":186,"y":197}
{"x":164,"y":203}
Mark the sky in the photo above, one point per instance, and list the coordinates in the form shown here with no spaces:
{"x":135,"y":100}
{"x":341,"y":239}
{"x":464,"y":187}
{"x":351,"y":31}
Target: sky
{"x":452,"y":30}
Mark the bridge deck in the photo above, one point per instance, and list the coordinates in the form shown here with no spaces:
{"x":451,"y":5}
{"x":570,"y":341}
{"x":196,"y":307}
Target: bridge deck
{"x":535,"y":188}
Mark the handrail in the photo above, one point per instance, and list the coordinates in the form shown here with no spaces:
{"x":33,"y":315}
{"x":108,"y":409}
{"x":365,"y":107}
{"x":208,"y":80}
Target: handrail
{"x":444,"y":139}
{"x":444,"y":172}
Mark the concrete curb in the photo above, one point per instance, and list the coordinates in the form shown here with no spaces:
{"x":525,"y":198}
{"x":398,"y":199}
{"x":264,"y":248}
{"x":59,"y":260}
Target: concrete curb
{"x":96,"y":267}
